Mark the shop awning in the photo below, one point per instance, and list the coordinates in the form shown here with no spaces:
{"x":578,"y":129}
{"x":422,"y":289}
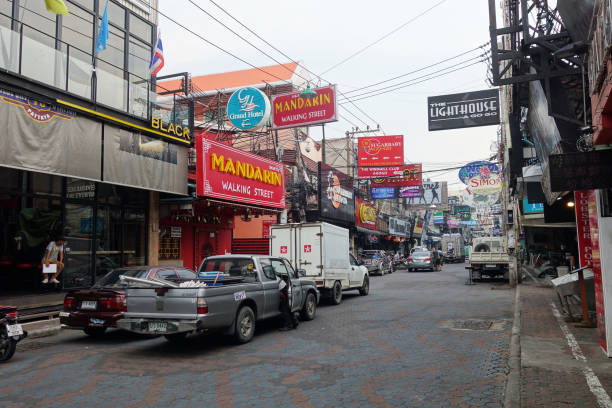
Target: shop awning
{"x":369,"y":231}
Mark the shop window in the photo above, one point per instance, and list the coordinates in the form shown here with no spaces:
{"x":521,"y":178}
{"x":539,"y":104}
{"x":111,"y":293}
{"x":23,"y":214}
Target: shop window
{"x":134,"y":237}
{"x":140,"y":28}
{"x":88,"y":4}
{"x":116,"y":13}
{"x":134,"y":196}
{"x":109,"y":194}
{"x":9,"y":178}
{"x":46,"y":184}
{"x":108,"y":240}
{"x":77,"y":29}
{"x":80,"y":189}
{"x":169,"y":243}
{"x":139,"y":57}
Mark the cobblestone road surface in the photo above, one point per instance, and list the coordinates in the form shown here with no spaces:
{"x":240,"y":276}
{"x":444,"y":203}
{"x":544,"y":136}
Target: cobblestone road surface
{"x":418,"y":340}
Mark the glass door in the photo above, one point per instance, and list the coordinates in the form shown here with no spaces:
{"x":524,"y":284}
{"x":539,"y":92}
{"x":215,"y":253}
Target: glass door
{"x":78,"y":231}
{"x":108,"y":240}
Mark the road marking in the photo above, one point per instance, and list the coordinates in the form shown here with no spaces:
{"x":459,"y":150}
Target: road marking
{"x":603,"y":399}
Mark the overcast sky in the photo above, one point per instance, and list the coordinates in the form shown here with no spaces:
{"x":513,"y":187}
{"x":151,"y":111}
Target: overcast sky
{"x":322,"y":33}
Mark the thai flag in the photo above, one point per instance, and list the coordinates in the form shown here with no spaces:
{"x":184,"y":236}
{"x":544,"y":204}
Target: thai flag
{"x":157,"y":59}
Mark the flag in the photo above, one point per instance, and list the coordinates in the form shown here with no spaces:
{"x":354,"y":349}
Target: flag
{"x":103,"y":31}
{"x":157,"y":58}
{"x":56,"y":6}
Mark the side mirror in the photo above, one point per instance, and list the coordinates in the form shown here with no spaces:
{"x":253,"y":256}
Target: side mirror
{"x":301,"y":272}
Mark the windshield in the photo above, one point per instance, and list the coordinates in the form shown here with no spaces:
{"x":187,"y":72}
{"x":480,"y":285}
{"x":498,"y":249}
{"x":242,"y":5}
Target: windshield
{"x":421,"y":254}
{"x":111,"y":279}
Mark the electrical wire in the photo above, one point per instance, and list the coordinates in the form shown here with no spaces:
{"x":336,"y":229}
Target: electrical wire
{"x":383,"y":37}
{"x":419,"y":77}
{"x":418,"y":70}
{"x":418,"y":82}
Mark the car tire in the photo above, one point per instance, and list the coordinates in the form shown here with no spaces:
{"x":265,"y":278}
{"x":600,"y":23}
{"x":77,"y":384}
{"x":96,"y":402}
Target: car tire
{"x":336,"y":293}
{"x":95,"y":331}
{"x":310,"y":307}
{"x":176,"y":338}
{"x":365,"y":286}
{"x":244,"y":325}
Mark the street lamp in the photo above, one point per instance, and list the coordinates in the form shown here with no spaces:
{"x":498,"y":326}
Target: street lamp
{"x":308,"y":93}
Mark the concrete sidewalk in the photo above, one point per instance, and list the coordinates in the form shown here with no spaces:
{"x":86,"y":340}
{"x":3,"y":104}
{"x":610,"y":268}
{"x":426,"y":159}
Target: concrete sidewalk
{"x":561,"y":365}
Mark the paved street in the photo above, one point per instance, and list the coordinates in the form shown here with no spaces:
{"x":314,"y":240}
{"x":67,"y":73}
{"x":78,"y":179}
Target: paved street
{"x":409,"y":343}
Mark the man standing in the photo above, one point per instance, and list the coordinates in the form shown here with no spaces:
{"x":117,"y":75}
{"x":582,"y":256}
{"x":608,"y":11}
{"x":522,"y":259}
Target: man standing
{"x":54,"y":254}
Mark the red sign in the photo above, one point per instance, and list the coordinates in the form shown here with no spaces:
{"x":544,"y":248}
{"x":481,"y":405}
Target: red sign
{"x":596,"y":263}
{"x":374,"y":172}
{"x":585,"y":247}
{"x":292,"y":110}
{"x":307,"y":248}
{"x":380,"y":151}
{"x":283,"y":249}
{"x":365,"y":214}
{"x":232,"y":174}
{"x":266,"y":228}
{"x":411,"y":176}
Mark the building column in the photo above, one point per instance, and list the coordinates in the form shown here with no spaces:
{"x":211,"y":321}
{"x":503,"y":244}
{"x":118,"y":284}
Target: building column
{"x":153,"y":244}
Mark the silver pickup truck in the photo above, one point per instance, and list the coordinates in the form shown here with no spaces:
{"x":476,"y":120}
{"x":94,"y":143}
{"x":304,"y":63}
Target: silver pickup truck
{"x":241,"y":290}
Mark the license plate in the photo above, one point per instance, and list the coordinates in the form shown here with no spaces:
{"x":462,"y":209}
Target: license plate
{"x":490,"y":266}
{"x":96,"y":322}
{"x":64,"y":314}
{"x":89,"y":305}
{"x":157,"y":327}
{"x":14,"y":330}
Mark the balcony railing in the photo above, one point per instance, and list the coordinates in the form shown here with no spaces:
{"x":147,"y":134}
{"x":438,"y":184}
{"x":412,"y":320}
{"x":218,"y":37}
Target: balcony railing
{"x":37,"y":56}
{"x":600,"y":45}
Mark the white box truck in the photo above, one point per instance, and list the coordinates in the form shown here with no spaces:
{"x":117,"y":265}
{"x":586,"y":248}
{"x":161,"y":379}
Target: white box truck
{"x":321,"y":250}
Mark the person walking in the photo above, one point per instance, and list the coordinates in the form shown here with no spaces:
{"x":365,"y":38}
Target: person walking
{"x":54,"y":255}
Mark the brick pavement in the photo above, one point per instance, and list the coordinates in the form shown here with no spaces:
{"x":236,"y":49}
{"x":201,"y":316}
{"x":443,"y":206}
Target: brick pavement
{"x":394,"y":347}
{"x":550,"y":376}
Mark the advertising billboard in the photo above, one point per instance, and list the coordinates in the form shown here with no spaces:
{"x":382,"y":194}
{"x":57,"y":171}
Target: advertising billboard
{"x":409,"y":192}
{"x":378,"y":172}
{"x":336,"y":197}
{"x":380,"y":151}
{"x":532,"y":208}
{"x":410,"y":175}
{"x":379,"y":193}
{"x":462,"y":110}
{"x":438,"y":218}
{"x":398,"y":226}
{"x":476,"y":168}
{"x":430,"y":192}
{"x":235,"y":175}
{"x":248,"y":108}
{"x":365,"y":214}
{"x":292,"y":110}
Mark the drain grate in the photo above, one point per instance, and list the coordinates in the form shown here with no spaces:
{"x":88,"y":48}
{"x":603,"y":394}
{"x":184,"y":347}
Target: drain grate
{"x":473,"y":324}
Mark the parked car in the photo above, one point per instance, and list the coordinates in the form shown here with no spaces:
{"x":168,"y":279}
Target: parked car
{"x":376,"y":262}
{"x":96,"y":309}
{"x":420,"y":260}
{"x":322,"y":251}
{"x":241,"y":290}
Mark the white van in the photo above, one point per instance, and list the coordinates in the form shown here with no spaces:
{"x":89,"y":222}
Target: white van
{"x":321,"y":251}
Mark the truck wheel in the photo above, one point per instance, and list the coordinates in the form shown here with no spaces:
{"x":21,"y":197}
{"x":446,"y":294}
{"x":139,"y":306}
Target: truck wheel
{"x":176,"y":338}
{"x":95,"y":331}
{"x":244,"y":325}
{"x":310,"y":308}
{"x":365,"y":287}
{"x":336,"y":293}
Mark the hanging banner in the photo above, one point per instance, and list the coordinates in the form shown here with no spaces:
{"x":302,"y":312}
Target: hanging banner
{"x":336,"y":196}
{"x":365,"y":214}
{"x":293,"y":110}
{"x":379,"y":193}
{"x":380,"y":151}
{"x":235,"y":175}
{"x":400,"y":176}
{"x":468,"y":109}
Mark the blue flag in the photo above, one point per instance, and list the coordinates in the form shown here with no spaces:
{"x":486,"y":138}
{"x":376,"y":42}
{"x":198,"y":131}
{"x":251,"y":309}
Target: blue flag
{"x":103,"y":31}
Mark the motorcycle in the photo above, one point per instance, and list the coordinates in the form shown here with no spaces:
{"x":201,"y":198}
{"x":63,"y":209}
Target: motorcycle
{"x":10,"y":332}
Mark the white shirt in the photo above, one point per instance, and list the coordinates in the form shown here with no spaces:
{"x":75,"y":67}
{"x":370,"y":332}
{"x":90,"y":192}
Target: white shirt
{"x":54,"y":250}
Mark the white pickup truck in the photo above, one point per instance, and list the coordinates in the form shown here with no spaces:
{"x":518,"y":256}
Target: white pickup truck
{"x":322,"y":251}
{"x":488,"y":256}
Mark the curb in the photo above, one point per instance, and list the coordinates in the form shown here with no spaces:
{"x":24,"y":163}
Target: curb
{"x":50,"y":329}
{"x":512,"y":392}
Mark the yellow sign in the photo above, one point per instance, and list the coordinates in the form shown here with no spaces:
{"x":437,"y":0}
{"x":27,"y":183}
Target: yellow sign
{"x":244,"y":170}
{"x":367,"y":214}
{"x":171,"y":128}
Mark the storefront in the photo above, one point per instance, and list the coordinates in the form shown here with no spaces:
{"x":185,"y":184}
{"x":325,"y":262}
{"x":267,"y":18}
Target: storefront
{"x":398,"y":229}
{"x":93,"y":181}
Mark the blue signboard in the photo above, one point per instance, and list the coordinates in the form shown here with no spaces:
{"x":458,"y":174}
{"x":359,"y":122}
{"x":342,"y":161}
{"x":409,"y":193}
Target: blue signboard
{"x":383,"y":192}
{"x":248,"y":108}
{"x":475,"y":168}
{"x":533,"y":208}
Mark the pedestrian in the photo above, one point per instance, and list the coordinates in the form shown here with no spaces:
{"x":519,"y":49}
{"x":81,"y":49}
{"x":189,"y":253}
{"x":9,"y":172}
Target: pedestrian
{"x":290,"y":321}
{"x":437,"y":259}
{"x":54,"y":255}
